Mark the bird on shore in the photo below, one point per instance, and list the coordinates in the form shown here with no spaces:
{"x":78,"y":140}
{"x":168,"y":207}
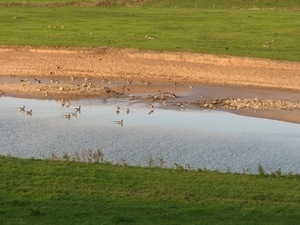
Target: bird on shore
{"x":191,"y":86}
{"x":21,"y":108}
{"x":104,"y":100}
{"x":151,"y":106}
{"x":117,"y":108}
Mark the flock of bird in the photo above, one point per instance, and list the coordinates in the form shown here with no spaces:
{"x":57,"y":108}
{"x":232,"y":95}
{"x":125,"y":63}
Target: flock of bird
{"x":67,"y":104}
{"x":22,"y":109}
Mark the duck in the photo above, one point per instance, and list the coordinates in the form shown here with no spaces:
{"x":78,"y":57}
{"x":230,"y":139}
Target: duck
{"x":119,"y":121}
{"x":21,"y":108}
{"x":77,"y":109}
{"x":28,"y":112}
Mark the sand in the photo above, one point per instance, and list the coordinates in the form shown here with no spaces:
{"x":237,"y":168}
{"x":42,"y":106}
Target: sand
{"x":84,"y":72}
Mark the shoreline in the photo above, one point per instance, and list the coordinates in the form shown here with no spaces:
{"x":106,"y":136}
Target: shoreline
{"x":115,"y":72}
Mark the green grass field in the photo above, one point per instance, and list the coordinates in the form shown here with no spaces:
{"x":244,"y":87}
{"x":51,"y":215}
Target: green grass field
{"x":66,"y":192}
{"x":175,"y":26}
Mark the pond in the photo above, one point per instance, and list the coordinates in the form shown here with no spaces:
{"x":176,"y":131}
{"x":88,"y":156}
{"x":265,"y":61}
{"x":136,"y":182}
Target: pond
{"x":194,"y":138}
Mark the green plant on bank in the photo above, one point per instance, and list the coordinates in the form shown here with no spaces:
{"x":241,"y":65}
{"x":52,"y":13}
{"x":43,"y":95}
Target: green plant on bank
{"x":212,"y":27}
{"x":53,"y":191}
{"x":90,"y":156}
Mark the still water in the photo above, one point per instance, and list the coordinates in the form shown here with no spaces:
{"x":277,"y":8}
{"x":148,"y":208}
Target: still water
{"x":198,"y":138}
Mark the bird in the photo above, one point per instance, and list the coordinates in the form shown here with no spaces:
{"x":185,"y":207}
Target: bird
{"x":118,"y":112}
{"x":67,"y":104}
{"x":21,"y":108}
{"x":173,"y":96}
{"x":119,"y":122}
{"x":127,"y":110}
{"x":73,"y":114}
{"x":152,"y":111}
{"x":28,"y":112}
{"x":104,"y":100}
{"x":37,"y":81}
{"x":117,"y":108}
{"x":67,"y":116}
{"x":191,"y":86}
{"x":78,"y":109}
{"x":150,"y":105}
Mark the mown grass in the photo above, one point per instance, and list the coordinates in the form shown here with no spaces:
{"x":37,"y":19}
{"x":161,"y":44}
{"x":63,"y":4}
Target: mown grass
{"x":218,"y":30}
{"x":68,"y":192}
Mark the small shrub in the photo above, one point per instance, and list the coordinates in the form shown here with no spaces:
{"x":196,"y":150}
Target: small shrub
{"x":66,"y":157}
{"x":277,"y":173}
{"x":76,"y":157}
{"x":246,"y":171}
{"x":261,"y":170}
{"x":98,"y":156}
{"x":123,"y":163}
{"x":178,"y":167}
{"x":161,"y":162}
{"x":151,"y":162}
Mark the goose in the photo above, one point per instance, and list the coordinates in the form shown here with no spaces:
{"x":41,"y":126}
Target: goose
{"x":21,"y":108}
{"x":150,"y":105}
{"x":77,"y":109}
{"x":127,"y":110}
{"x":119,"y":121}
{"x":28,"y":112}
{"x":37,"y":81}
{"x":149,"y":113}
{"x":191,"y":86}
{"x":73,"y":114}
{"x":104,"y":100}
{"x":67,"y":116}
{"x":67,"y":104}
{"x":117,"y":108}
{"x":118,"y":112}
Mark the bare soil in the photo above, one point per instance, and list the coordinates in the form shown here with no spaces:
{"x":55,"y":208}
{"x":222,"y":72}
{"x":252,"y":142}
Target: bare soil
{"x":135,"y":72}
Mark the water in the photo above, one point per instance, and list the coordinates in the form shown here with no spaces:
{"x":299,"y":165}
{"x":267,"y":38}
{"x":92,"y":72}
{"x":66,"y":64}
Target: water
{"x":198,"y":138}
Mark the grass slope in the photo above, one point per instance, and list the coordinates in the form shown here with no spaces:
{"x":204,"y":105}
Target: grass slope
{"x":201,"y":29}
{"x":65,"y":192}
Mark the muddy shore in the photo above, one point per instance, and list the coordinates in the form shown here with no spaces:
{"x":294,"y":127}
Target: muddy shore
{"x":193,"y":78}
